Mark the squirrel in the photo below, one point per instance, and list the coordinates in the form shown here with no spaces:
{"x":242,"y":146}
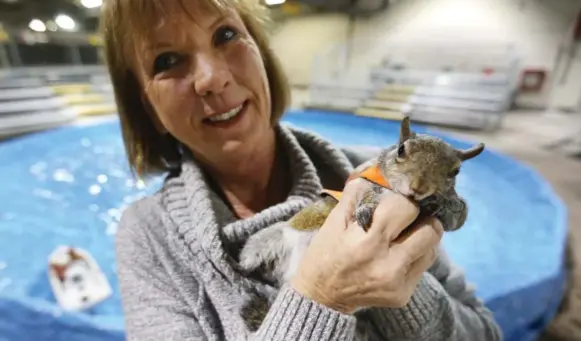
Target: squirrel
{"x":419,"y":166}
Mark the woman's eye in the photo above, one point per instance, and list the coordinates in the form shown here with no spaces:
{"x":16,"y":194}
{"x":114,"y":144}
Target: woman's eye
{"x":165,"y":61}
{"x":224,"y":34}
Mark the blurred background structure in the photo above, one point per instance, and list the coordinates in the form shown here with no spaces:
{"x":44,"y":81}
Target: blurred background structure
{"x":507,"y":72}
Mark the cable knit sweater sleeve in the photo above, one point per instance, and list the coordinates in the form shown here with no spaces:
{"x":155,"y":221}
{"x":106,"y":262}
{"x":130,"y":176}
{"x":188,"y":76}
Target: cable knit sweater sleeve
{"x":444,"y":306}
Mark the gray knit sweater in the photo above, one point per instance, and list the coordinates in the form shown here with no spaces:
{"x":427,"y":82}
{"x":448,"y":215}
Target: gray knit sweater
{"x":179,"y":280}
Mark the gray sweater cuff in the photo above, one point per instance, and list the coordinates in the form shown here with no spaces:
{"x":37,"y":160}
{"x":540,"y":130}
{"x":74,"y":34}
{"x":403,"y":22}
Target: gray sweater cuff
{"x":427,"y":314}
{"x":295,"y":317}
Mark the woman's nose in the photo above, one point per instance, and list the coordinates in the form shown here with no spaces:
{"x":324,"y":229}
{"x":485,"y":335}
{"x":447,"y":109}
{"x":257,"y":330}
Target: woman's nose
{"x":212,"y":75}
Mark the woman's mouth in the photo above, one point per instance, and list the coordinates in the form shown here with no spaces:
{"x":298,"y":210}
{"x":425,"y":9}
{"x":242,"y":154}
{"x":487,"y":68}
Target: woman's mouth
{"x":227,"y":116}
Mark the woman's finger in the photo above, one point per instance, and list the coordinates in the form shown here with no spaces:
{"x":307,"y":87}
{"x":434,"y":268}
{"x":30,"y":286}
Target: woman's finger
{"x":393,"y":215}
{"x":436,"y":224}
{"x":421,"y":265}
{"x":420,"y":238}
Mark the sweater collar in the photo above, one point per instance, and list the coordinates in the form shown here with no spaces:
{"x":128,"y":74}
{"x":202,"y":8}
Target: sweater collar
{"x":204,"y":221}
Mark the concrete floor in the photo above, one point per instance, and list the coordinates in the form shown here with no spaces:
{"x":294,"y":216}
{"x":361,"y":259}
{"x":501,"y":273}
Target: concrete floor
{"x":525,"y":136}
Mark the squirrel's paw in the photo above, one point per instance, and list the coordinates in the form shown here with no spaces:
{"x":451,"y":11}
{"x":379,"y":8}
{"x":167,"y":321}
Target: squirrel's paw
{"x":252,"y":256}
{"x":250,"y":261}
{"x":430,"y":205}
{"x":367,"y":204}
{"x":451,"y":210}
{"x":262,"y":247}
{"x":364,"y":215}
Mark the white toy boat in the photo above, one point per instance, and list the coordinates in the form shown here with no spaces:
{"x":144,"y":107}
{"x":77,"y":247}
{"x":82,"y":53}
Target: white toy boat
{"x":76,"y":279}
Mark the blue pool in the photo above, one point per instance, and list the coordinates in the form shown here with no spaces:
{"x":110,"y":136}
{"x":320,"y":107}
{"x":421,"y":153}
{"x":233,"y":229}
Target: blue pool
{"x":70,"y":185}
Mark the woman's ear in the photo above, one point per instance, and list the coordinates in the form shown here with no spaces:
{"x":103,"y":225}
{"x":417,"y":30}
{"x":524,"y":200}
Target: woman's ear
{"x":152,"y":114}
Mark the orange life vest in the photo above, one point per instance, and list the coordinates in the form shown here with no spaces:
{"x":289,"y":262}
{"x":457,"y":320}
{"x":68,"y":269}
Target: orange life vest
{"x":372,"y":174}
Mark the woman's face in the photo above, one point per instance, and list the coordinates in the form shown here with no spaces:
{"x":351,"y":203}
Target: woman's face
{"x":204,"y":80}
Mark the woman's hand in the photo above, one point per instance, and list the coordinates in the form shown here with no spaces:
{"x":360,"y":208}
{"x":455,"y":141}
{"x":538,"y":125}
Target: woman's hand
{"x":346,"y":268}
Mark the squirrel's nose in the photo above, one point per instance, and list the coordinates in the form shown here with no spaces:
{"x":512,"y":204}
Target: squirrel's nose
{"x":417,"y":188}
{"x":413,"y":195}
{"x":415,"y":185}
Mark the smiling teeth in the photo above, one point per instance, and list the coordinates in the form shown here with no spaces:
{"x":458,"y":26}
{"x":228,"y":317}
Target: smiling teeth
{"x":227,"y":115}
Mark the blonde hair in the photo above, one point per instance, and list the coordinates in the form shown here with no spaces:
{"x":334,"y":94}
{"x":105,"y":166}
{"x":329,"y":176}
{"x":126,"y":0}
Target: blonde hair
{"x":148,"y":150}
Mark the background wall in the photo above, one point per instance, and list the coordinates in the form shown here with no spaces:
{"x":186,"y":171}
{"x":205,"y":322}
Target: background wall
{"x":537,"y":28}
{"x":298,"y":41}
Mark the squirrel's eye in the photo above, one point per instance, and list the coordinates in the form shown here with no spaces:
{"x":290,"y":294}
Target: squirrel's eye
{"x":401,"y":150}
{"x":455,"y":172}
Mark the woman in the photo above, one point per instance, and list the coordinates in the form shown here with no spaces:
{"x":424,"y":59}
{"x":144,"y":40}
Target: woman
{"x":200,"y":96}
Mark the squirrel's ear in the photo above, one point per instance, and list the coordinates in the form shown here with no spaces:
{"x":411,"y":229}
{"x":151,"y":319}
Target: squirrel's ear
{"x":404,"y":130}
{"x":469,"y":153}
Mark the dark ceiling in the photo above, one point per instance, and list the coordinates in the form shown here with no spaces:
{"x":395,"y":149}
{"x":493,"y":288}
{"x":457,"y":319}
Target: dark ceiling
{"x":355,"y":7}
{"x":16,"y":14}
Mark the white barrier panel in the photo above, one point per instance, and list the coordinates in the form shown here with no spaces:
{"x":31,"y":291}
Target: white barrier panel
{"x":27,"y":106}
{"x":25,"y":93}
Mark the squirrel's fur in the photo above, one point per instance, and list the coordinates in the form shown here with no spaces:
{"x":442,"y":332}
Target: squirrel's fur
{"x":421,"y":167}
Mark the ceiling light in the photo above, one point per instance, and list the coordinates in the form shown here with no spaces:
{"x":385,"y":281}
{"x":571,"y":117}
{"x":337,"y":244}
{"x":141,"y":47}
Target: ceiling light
{"x":65,"y":22}
{"x":92,"y":3}
{"x":274,"y":2}
{"x":37,"y":25}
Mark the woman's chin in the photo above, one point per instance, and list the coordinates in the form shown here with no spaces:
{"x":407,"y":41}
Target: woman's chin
{"x":245,"y":135}
{"x":233,"y":147}
{"x":245,"y":146}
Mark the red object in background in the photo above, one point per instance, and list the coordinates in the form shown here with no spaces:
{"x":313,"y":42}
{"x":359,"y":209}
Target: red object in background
{"x":532,"y":80}
{"x":488,"y":71}
{"x":577,"y":31}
